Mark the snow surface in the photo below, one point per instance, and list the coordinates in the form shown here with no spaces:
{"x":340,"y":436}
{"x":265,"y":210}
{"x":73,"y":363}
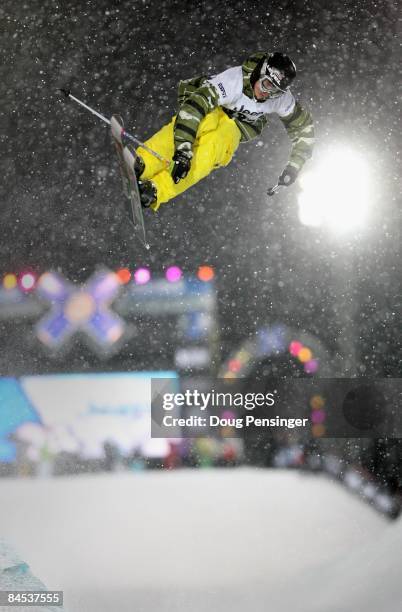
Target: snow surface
{"x":200,"y":540}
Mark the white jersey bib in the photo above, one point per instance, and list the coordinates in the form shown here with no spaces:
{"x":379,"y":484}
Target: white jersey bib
{"x":229,"y":87}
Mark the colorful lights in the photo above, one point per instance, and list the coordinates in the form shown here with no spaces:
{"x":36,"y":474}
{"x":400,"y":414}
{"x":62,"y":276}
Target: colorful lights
{"x":235,"y":365}
{"x":311,"y":367}
{"x":9,"y":281}
{"x":52,"y":284}
{"x":317,"y":402}
{"x":295,"y":347}
{"x":274,"y":341}
{"x":238,"y":364}
{"x":142,"y":276}
{"x":318,"y":415}
{"x":304,"y":355}
{"x":124,"y":275}
{"x":318,"y":430}
{"x":173,"y":274}
{"x":27,"y":281}
{"x":205,"y":273}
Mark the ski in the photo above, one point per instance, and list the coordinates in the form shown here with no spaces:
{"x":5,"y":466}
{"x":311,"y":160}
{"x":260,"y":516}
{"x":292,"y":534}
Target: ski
{"x":116,"y":129}
{"x":126,"y":161}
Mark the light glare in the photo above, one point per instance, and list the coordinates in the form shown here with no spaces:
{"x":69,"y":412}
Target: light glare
{"x":27,"y":281}
{"x":336,"y":192}
{"x":173,"y":274}
{"x":142,"y":276}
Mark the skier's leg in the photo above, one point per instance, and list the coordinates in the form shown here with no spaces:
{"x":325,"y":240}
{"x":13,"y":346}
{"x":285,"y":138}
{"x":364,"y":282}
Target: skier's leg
{"x":162,"y":143}
{"x":217,"y":140}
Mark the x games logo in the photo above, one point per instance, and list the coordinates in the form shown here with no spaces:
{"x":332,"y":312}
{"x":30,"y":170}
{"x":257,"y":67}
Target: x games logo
{"x":84,"y":309}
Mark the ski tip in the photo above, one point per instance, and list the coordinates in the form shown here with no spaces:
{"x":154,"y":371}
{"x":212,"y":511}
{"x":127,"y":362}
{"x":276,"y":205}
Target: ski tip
{"x":65,"y":92}
{"x":117,"y":129}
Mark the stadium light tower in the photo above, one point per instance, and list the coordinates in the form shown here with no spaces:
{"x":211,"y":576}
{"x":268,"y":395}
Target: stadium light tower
{"x":336,"y":192}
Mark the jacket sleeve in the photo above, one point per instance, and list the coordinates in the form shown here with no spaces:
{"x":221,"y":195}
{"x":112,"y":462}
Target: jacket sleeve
{"x":300,"y":129}
{"x":195,"y":102}
{"x":248,"y":130}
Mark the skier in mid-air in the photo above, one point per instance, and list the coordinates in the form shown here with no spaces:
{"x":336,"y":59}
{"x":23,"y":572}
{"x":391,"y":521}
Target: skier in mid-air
{"x":216,"y":114}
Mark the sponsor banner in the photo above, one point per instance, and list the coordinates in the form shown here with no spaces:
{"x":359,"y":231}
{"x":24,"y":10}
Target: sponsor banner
{"x":79,"y":414}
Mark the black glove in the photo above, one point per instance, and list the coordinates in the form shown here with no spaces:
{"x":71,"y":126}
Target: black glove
{"x":182,"y":163}
{"x":288,"y":176}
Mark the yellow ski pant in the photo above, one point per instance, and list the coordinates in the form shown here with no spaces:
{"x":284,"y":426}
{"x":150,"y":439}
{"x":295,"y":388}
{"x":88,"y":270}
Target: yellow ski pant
{"x":217,"y":139}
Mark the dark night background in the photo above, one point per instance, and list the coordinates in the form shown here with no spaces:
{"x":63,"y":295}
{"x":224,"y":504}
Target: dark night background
{"x":60,"y":191}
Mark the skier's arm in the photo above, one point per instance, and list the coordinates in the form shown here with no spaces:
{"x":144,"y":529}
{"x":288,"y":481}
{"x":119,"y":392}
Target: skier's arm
{"x":197,"y":97}
{"x":300,"y":129}
{"x":201,"y":101}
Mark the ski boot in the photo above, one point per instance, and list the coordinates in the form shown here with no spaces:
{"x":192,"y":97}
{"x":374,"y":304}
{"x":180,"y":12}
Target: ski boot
{"x":139,"y":166}
{"x":146,"y":189}
{"x":148,"y":193}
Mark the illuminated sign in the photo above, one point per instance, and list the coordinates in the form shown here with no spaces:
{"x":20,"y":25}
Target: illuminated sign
{"x":84,"y":309}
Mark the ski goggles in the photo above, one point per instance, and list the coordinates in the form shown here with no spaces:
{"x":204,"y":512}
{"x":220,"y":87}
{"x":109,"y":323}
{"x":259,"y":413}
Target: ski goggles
{"x":268,"y":87}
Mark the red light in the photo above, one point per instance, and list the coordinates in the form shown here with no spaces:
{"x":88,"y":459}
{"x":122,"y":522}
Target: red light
{"x":123,"y":275}
{"x":295,"y":347}
{"x":234,"y":365}
{"x":205,"y":273}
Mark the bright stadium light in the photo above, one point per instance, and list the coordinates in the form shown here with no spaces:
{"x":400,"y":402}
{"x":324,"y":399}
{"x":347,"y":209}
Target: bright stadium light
{"x":336,"y":192}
